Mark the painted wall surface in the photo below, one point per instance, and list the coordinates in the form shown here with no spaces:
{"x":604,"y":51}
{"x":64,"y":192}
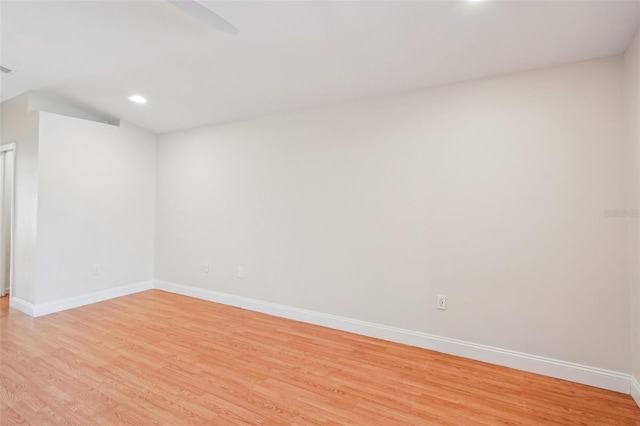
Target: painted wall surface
{"x":18,"y":125}
{"x":61,"y":106}
{"x":631,"y":86}
{"x":95,"y":206}
{"x":495,"y":193}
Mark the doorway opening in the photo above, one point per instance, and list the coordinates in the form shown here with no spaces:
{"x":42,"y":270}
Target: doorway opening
{"x":7,"y":177}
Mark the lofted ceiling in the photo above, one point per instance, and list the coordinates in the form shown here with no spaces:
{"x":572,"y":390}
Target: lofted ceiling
{"x":288,"y":54}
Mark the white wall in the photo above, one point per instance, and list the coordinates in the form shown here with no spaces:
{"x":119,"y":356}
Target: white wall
{"x":491,"y":192}
{"x":96,"y":200}
{"x":18,"y":125}
{"x":631,"y":79}
{"x":59,"y":105}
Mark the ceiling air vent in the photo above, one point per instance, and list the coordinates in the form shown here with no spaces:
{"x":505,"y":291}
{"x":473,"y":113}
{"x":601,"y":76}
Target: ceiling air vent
{"x":5,"y":70}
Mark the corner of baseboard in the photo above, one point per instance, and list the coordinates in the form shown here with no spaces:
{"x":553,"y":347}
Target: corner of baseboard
{"x":22,"y":306}
{"x":635,"y":390}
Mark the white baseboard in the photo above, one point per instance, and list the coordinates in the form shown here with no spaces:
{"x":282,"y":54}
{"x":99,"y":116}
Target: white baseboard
{"x":635,"y":390}
{"x":592,"y":376}
{"x":86,"y":299}
{"x":21,"y":305}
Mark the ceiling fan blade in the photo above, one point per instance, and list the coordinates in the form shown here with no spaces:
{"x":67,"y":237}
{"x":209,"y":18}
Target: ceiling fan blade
{"x":205,"y":15}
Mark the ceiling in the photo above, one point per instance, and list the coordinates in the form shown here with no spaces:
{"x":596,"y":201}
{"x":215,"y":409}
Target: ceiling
{"x":288,"y":54}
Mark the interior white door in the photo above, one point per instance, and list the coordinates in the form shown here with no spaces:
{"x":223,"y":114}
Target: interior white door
{"x":3,"y":237}
{"x":7,"y":156}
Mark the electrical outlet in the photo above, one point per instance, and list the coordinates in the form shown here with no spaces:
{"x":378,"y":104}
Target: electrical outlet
{"x":96,"y":269}
{"x":205,"y":268}
{"x":240,"y":272}
{"x":441,"y":302}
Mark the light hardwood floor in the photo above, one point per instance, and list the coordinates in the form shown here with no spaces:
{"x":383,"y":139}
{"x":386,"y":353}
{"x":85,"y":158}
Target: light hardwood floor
{"x":159,"y":358}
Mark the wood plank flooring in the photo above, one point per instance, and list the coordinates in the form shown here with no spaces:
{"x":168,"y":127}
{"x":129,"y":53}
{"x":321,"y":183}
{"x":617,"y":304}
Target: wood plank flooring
{"x":160,"y":358}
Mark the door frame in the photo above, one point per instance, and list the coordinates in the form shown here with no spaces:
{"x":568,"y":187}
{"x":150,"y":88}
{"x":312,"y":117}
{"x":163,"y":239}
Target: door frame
{"x":5,"y":148}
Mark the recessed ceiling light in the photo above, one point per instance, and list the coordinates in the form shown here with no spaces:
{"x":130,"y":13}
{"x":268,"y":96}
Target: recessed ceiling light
{"x":137,"y":99}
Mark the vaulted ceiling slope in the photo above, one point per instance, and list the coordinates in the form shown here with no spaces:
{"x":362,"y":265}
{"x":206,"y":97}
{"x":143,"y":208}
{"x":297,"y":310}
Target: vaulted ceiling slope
{"x":287,"y":54}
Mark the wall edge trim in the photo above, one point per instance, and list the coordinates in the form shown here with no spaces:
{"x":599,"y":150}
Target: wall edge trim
{"x":21,"y":305}
{"x":89,"y":298}
{"x":635,"y":390}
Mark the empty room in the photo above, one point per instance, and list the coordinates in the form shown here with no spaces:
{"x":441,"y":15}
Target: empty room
{"x":319,"y":212}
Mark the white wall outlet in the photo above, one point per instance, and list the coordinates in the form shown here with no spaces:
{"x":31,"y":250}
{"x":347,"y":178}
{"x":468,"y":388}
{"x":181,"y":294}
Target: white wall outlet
{"x":205,"y":268}
{"x":240,"y":272}
{"x":96,"y":269}
{"x":441,"y":302}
